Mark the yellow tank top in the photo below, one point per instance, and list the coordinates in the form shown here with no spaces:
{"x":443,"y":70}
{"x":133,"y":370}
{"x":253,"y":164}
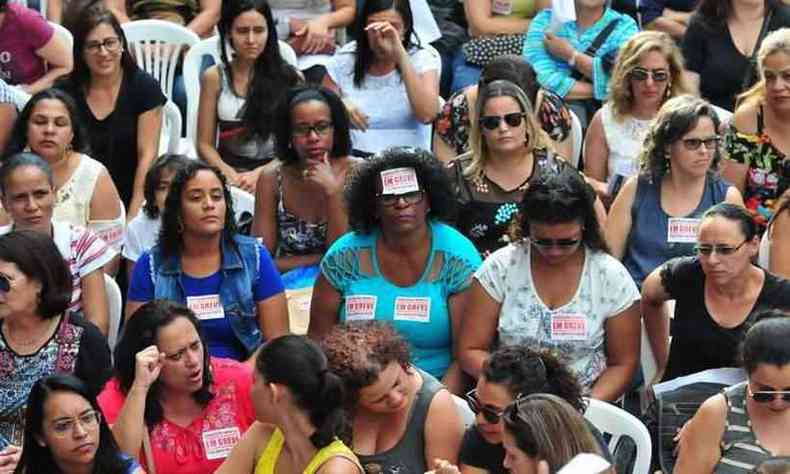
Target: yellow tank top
{"x":268,"y":460}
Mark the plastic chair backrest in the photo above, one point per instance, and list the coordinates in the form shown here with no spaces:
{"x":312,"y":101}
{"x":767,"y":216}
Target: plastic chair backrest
{"x":115,"y":306}
{"x":62,"y":31}
{"x":242,"y":201}
{"x":577,"y":139}
{"x":618,"y":423}
{"x":171,"y":130}
{"x":156,"y":45}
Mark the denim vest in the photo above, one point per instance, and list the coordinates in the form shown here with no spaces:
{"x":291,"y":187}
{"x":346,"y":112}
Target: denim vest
{"x":240,"y":269}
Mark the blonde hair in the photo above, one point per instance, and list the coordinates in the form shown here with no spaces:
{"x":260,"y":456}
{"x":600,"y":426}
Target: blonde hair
{"x":621,"y":96}
{"x":535,"y":136}
{"x":777,"y":41}
{"x":547,"y":427}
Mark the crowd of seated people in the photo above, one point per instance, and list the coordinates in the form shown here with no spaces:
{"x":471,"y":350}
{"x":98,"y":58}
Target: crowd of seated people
{"x":485,"y":232}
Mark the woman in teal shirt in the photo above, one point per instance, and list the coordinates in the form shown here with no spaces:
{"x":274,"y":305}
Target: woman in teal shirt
{"x":401,"y":263}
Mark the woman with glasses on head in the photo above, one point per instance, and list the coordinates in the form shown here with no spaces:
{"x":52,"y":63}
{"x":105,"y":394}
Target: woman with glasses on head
{"x":747,"y":423}
{"x":556,"y":287}
{"x":513,"y":372}
{"x":65,"y":432}
{"x":119,"y":104}
{"x":655,"y":216}
{"x":649,"y":70}
{"x":299,"y":208}
{"x":717,"y":294}
{"x":509,"y":151}
{"x":402,"y":263}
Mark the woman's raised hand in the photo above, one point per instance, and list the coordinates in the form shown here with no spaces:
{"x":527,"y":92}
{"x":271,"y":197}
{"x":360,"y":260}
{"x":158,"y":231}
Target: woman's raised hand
{"x":324,"y":176}
{"x":386,"y":40}
{"x":148,"y":365}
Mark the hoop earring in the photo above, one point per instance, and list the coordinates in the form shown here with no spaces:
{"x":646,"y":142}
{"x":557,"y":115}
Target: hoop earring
{"x":180,"y":226}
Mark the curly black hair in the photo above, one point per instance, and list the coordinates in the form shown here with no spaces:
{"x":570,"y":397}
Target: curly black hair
{"x":510,"y":366}
{"x":170,"y":234}
{"x":362,"y":187}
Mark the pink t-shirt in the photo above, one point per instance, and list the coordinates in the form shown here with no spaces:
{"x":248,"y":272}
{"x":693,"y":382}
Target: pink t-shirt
{"x":201,"y":447}
{"x":22,"y":32}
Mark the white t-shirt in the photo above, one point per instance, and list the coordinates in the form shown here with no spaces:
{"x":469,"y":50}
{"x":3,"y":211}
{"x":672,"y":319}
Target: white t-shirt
{"x":384,"y":100}
{"x":142,"y":233}
{"x":576,"y":330}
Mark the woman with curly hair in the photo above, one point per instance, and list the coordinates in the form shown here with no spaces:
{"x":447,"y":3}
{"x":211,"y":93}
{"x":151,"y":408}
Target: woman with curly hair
{"x":557,"y":287}
{"x":227,"y":279}
{"x":402,"y":418}
{"x":655,"y":217}
{"x":649,"y":70}
{"x":402,"y":263}
{"x":512,"y":372}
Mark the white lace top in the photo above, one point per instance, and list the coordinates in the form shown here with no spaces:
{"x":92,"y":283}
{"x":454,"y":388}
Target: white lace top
{"x":625,"y":140}
{"x":73,"y":199}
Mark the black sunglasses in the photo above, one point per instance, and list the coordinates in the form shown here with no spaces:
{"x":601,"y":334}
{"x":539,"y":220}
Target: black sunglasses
{"x":491,"y":122}
{"x":5,"y":284}
{"x":641,"y":74}
{"x":412,"y":198}
{"x":491,"y":415}
{"x":767,"y":396}
{"x":561,"y":243}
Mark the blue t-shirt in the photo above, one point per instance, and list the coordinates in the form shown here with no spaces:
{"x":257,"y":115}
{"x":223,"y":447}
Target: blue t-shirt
{"x":419,"y":312}
{"x":218,"y":333}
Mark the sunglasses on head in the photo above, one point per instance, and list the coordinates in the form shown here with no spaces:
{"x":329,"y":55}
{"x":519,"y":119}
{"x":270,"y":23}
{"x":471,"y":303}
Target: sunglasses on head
{"x":767,"y":396}
{"x":641,"y":74}
{"x":711,"y":143}
{"x":491,"y":122}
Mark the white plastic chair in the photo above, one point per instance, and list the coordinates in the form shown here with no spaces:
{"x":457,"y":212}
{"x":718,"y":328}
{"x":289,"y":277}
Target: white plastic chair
{"x":62,"y":31}
{"x":115,"y":304}
{"x":618,"y":423}
{"x":192,"y":64}
{"x":156,"y":45}
{"x":242,"y":201}
{"x":170,"y":141}
{"x":467,"y":415}
{"x":577,"y":139}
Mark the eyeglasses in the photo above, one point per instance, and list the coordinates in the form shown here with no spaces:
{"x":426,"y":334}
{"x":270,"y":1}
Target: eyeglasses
{"x":767,"y":396}
{"x":711,"y":143}
{"x":491,"y":122}
{"x":707,"y":250}
{"x":111,"y":45}
{"x":5,"y":284}
{"x":565,"y":244}
{"x":320,"y":129}
{"x":490,"y":414}
{"x":641,"y":74}
{"x":87,"y":421}
{"x":389,"y":200}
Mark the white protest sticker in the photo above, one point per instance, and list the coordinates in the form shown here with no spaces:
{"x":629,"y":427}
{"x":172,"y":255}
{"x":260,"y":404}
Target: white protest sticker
{"x":399,"y":181}
{"x":568,"y":327}
{"x":219,"y":443}
{"x":681,"y":230}
{"x":502,"y":7}
{"x":206,"y":307}
{"x":417,"y":310}
{"x":360,"y":307}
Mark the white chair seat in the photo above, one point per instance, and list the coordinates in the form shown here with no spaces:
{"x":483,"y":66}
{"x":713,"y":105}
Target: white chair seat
{"x":618,"y":423}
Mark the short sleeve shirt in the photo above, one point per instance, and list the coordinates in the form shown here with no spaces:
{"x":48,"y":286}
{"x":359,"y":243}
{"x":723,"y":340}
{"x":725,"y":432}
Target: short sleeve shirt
{"x":202,"y":446}
{"x":575,"y":330}
{"x":421,"y":312}
{"x":141,"y":235}
{"x":22,"y":33}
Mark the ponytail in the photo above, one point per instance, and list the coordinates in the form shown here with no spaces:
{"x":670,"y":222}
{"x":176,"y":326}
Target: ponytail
{"x":328,"y":415}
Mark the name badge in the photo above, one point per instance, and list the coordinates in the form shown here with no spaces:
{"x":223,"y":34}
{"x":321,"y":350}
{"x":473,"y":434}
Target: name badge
{"x":219,"y":443}
{"x":417,"y":310}
{"x":681,"y":230}
{"x":568,"y":327}
{"x":206,"y":307}
{"x":360,"y":307}
{"x":502,"y":7}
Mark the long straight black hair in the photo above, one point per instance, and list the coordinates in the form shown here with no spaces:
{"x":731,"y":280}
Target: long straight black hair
{"x":364,"y":55}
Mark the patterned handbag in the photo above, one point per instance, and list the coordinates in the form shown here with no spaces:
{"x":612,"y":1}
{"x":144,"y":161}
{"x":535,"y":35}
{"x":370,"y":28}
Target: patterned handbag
{"x":482,"y":49}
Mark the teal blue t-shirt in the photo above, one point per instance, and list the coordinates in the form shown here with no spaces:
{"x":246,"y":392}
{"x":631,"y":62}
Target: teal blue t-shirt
{"x":419,"y":312}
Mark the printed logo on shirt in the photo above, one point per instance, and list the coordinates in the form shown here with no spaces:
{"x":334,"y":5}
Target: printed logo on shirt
{"x":206,"y":307}
{"x":399,"y":181}
{"x":360,"y":307}
{"x":568,"y":327}
{"x":219,"y":443}
{"x":502,"y":7}
{"x":681,"y":230}
{"x":417,"y":310}
{"x":110,"y":234}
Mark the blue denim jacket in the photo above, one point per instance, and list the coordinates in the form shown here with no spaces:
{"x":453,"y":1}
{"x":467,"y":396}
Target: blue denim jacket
{"x":240,"y":269}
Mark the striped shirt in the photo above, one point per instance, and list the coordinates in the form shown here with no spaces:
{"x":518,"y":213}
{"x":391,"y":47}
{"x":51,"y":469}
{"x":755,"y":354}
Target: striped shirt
{"x":740,"y":450}
{"x":554,"y":73}
{"x":6,"y":95}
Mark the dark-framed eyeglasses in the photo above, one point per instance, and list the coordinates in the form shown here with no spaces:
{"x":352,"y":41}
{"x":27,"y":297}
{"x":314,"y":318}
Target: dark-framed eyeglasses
{"x":320,"y":129}
{"x":490,"y":414}
{"x":491,"y":122}
{"x":721,"y":249}
{"x":111,"y":45}
{"x":565,"y":244}
{"x":389,"y":200}
{"x":767,"y":396}
{"x":711,"y":143}
{"x":641,"y":74}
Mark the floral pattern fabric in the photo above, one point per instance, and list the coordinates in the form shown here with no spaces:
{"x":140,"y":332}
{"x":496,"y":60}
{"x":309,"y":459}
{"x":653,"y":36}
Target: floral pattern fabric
{"x":296,"y":236}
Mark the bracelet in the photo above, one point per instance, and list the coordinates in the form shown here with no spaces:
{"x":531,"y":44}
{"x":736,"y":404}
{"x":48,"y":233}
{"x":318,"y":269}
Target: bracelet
{"x":572,"y":60}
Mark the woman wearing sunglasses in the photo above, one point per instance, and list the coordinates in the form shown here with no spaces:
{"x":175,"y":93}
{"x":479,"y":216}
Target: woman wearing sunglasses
{"x":717,"y":294}
{"x":402,"y":263}
{"x":556,"y":287}
{"x":648,"y":71}
{"x":512,"y":372}
{"x":65,"y":432}
{"x":509,"y":150}
{"x":655,"y":217}
{"x":747,"y":423}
